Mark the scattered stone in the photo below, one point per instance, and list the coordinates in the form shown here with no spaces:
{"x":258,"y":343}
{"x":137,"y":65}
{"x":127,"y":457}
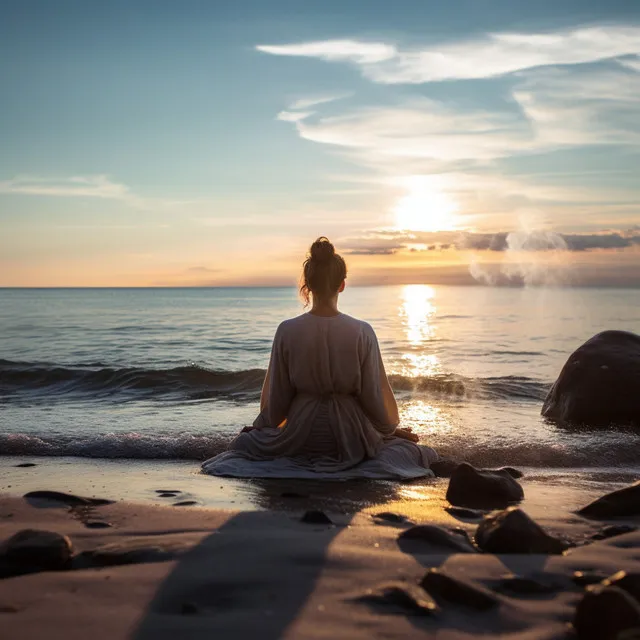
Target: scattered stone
{"x":623,"y":502}
{"x":293,"y":494}
{"x":66,"y":498}
{"x":529,"y":586}
{"x":166,"y":494}
{"x":604,"y":613}
{"x":189,"y":608}
{"x":431,"y":534}
{"x":24,"y":465}
{"x":97,"y":524}
{"x":630,"y":582}
{"x":598,"y":385}
{"x":388,"y":516}
{"x":513,"y":531}
{"x":442,"y":585}
{"x":185,"y":503}
{"x":316,"y":517}
{"x":404,"y":598}
{"x":167,"y":490}
{"x":33,"y":550}
{"x":444,"y":468}
{"x":612,"y":531}
{"x":470,"y":487}
{"x":586,"y":578}
{"x":465,"y":513}
{"x":8,"y":608}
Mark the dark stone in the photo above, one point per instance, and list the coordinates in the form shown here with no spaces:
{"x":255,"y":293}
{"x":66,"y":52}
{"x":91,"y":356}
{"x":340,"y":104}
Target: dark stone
{"x":97,"y":524}
{"x":470,"y":487}
{"x":189,"y":608}
{"x":613,"y":530}
{"x":431,"y":534}
{"x":513,"y":531}
{"x":387,"y":516}
{"x":514,"y":473}
{"x":444,"y":468}
{"x":629,"y":582}
{"x":442,"y":585}
{"x":316,"y":517}
{"x":529,"y":586}
{"x":167,"y":490}
{"x":465,"y":513}
{"x":293,"y":494}
{"x":604,"y":613}
{"x":8,"y":608}
{"x":26,"y":464}
{"x":185,"y":503}
{"x":599,"y":384}
{"x":403,"y":598}
{"x":586,"y":578}
{"x":33,"y":550}
{"x":620,"y":503}
{"x":66,"y":498}
{"x":166,"y":494}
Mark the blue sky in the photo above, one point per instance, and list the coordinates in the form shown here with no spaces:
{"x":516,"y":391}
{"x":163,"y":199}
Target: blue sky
{"x":209,"y":142}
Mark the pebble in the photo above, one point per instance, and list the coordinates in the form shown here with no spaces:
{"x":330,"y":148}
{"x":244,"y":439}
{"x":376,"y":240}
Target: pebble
{"x":33,"y":550}
{"x":405,"y":598}
{"x":604,"y":613}
{"x":440,"y":584}
{"x":430,"y":534}
{"x":67,"y":498}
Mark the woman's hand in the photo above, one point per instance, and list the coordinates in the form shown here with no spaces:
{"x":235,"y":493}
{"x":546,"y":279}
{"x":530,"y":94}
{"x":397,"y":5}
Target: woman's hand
{"x":406,"y":433}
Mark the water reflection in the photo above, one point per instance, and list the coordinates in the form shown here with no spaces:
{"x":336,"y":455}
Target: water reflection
{"x":425,"y":418}
{"x":417,"y":311}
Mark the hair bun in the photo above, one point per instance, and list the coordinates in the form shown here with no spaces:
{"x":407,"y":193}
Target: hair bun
{"x":322,"y":250}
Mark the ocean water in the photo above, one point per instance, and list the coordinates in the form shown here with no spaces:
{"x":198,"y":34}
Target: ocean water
{"x":175,"y":373}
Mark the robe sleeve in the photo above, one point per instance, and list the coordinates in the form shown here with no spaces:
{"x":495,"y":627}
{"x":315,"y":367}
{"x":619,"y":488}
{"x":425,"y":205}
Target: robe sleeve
{"x":377,"y":397}
{"x":277,"y":390}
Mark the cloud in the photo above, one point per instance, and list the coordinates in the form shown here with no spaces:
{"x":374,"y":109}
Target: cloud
{"x":99,"y":186}
{"x":293,"y":116}
{"x":306,"y":103}
{"x":481,"y":57}
{"x":387,"y":242}
{"x":336,"y":51}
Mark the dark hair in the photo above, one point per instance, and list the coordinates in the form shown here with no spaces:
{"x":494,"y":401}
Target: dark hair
{"x":322,"y":272}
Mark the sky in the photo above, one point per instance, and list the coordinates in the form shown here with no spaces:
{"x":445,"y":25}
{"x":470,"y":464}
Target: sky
{"x":208,"y":143}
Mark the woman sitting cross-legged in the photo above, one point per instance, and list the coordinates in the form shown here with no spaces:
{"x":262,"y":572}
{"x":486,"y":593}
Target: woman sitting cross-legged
{"x":327,"y":410}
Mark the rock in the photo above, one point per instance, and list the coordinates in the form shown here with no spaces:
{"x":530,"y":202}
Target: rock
{"x":33,"y":550}
{"x":514,"y":473}
{"x":513,"y":531}
{"x":586,"y":578}
{"x":620,"y":503}
{"x":167,"y":490}
{"x":470,"y":487}
{"x":604,"y":613}
{"x":24,"y":465}
{"x":66,"y":498}
{"x":293,"y":494}
{"x":442,"y":585}
{"x":8,"y":608}
{"x":185,"y":503}
{"x":405,"y":598}
{"x":316,"y":517}
{"x":444,"y":467}
{"x":629,"y":582}
{"x":430,"y":534}
{"x":465,"y":513}
{"x":612,"y":531}
{"x":189,"y":608}
{"x":167,"y":494}
{"x":97,"y":524}
{"x":393,"y":518}
{"x":599,"y":384}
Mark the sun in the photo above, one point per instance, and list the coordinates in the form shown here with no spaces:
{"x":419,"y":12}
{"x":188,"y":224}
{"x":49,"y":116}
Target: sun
{"x":425,"y":207}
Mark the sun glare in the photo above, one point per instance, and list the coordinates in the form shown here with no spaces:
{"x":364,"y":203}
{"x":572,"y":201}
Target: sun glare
{"x":425,"y":207}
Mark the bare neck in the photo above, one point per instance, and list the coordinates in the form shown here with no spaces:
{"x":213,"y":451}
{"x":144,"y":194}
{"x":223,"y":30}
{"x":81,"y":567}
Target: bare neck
{"x":325,"y":306}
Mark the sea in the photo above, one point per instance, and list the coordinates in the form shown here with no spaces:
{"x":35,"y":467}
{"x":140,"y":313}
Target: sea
{"x":175,"y":373}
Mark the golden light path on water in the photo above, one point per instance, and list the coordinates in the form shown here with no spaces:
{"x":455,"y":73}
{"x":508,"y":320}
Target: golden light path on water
{"x":417,"y":312}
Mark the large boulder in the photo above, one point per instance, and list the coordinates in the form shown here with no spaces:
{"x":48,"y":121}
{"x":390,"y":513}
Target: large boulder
{"x":600,"y":383}
{"x":471,"y":487}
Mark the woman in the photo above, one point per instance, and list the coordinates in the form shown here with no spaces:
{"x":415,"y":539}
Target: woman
{"x":327,"y":409}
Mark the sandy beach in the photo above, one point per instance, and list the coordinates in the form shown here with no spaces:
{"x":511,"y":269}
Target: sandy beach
{"x":257,"y":569}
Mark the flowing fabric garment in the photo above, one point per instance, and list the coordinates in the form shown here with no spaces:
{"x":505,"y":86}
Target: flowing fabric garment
{"x":327,"y":410}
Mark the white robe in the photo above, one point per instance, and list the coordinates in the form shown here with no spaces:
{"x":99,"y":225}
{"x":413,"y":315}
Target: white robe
{"x":326,"y":411}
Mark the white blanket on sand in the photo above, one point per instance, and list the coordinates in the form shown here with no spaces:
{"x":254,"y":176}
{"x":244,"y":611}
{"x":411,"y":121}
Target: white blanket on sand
{"x":397,"y":460}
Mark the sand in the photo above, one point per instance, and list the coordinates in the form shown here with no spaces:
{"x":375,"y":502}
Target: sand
{"x":265,"y":574}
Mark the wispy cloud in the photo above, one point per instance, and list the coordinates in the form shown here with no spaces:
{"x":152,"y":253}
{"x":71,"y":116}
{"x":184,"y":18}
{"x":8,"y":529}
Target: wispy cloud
{"x":484,"y":57}
{"x":99,"y":186}
{"x":312,"y":101}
